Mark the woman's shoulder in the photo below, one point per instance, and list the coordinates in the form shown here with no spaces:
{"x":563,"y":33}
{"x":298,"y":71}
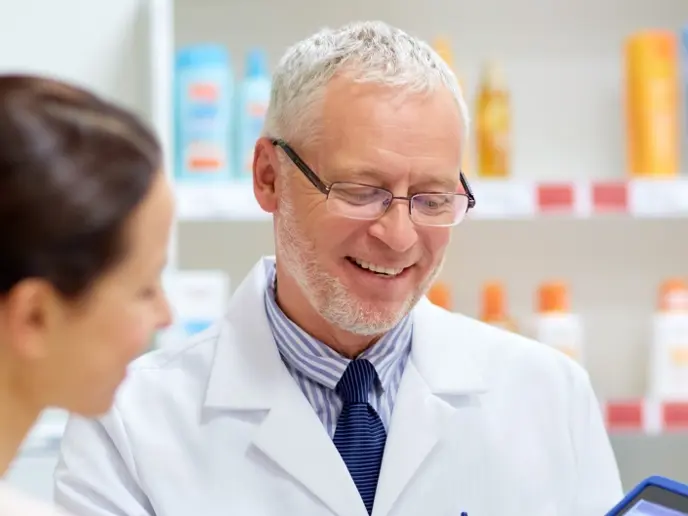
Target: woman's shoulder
{"x":15,"y":503}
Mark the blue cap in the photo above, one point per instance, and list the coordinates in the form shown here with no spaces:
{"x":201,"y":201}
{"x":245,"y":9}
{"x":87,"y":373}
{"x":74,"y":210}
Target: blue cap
{"x":256,"y":63}
{"x":203,"y":54}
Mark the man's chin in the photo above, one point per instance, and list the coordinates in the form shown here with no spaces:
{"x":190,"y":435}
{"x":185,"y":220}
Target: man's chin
{"x":371,"y":319}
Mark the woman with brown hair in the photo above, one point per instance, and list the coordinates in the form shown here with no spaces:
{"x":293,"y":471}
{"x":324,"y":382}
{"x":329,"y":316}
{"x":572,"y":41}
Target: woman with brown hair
{"x":85,"y":216}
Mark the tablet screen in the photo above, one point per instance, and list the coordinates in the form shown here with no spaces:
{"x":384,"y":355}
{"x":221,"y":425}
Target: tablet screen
{"x":657,"y":501}
{"x":645,"y":508}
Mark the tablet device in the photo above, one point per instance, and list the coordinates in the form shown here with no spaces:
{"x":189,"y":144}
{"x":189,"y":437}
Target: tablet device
{"x":654,"y":496}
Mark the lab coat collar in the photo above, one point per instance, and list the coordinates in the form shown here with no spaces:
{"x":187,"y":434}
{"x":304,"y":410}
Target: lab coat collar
{"x":445,"y":361}
{"x":247,"y":374}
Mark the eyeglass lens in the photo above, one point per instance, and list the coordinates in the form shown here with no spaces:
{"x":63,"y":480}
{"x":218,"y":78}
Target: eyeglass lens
{"x":367,"y":202}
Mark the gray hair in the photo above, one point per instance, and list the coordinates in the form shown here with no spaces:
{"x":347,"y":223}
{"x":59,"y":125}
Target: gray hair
{"x":371,"y":52}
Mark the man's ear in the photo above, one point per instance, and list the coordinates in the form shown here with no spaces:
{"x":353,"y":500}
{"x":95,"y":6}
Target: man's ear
{"x":265,"y":168}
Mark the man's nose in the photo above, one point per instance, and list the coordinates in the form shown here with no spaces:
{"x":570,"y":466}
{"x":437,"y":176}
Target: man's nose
{"x":395,"y":228}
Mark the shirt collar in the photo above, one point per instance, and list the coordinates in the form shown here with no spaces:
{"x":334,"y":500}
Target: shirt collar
{"x":320,"y":362}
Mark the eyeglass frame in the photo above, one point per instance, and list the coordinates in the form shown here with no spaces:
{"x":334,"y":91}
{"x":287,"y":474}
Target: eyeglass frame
{"x":325,"y":189}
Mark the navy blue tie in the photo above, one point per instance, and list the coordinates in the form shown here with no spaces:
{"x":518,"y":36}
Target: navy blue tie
{"x":360,"y":435}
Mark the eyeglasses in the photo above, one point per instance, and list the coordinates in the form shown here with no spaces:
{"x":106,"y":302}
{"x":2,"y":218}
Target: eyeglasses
{"x":365,"y":202}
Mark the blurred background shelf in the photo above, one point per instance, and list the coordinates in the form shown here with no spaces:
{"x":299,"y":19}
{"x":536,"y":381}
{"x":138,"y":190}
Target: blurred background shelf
{"x":569,"y":210}
{"x":496,"y":199}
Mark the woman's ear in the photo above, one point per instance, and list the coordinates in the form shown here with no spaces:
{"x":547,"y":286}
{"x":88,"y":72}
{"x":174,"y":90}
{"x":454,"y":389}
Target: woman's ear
{"x":28,"y":312}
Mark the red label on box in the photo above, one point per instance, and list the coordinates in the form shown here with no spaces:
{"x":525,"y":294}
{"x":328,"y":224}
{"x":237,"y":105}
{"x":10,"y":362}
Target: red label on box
{"x":555,"y":198}
{"x":610,"y":198}
{"x":624,"y":415}
{"x":675,"y":415}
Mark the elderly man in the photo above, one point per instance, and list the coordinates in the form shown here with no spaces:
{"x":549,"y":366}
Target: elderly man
{"x":333,"y":386}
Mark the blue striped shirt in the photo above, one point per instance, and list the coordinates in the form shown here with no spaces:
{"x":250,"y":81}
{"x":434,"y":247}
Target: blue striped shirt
{"x":317,"y":368}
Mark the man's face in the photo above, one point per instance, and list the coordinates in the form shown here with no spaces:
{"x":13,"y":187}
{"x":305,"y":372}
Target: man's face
{"x":372,"y":135}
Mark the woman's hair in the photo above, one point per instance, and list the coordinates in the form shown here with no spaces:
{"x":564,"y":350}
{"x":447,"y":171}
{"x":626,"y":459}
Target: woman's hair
{"x":73,"y":168}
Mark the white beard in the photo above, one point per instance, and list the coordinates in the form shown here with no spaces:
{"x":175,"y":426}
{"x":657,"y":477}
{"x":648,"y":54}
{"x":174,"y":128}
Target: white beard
{"x":326,"y":293}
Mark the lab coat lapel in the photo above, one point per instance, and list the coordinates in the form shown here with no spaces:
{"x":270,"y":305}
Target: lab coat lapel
{"x":248,"y":375}
{"x":435,"y":403}
{"x":417,"y":423}
{"x":294,"y":437}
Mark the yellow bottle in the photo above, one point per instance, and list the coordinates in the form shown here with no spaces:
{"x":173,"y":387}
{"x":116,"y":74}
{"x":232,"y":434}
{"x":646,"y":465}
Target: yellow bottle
{"x":494,"y":310}
{"x":652,"y":104}
{"x":493,"y":124}
{"x":443,"y":48}
{"x":440,"y":294}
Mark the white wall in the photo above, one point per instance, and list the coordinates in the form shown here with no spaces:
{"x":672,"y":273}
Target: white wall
{"x":98,"y":44}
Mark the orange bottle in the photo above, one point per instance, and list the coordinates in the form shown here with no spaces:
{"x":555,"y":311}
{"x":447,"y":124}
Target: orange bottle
{"x":440,"y":295}
{"x":493,"y":124}
{"x":553,"y":298}
{"x":556,"y":326}
{"x":494,"y":309}
{"x":673,"y":296}
{"x":652,"y":104}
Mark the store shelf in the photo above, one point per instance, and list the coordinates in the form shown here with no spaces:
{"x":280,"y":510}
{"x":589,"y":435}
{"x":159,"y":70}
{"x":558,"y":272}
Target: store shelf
{"x":496,"y":200}
{"x":218,"y":201}
{"x":646,"y":416}
{"x":645,"y":198}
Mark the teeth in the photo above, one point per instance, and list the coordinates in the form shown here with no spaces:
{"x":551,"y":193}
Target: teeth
{"x":378,"y":268}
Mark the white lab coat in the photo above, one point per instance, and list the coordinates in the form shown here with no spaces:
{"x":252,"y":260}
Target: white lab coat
{"x":485,"y":422}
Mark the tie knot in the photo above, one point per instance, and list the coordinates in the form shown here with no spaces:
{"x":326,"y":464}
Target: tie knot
{"x":356,"y":382}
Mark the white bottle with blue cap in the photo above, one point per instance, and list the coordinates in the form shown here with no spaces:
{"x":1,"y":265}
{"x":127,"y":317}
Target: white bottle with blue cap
{"x":204,"y":92}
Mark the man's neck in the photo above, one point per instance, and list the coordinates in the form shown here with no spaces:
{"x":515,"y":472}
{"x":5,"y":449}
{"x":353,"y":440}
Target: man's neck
{"x":16,"y":419}
{"x":347,"y":344}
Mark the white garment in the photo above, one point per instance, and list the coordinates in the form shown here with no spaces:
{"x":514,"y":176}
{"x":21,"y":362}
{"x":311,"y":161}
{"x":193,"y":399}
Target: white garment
{"x":485,"y":421}
{"x":15,"y":503}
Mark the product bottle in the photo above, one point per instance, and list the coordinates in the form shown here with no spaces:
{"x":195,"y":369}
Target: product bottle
{"x":440,"y":295}
{"x":493,"y":124}
{"x":443,"y":48}
{"x":684,"y":76}
{"x":652,"y":104}
{"x":203,"y":114}
{"x":668,"y":378}
{"x":494,"y":309}
{"x":555,"y":325}
{"x":254,"y":98}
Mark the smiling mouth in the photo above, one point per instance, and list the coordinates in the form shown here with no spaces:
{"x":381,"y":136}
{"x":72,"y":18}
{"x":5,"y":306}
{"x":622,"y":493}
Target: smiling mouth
{"x":379,"y":270}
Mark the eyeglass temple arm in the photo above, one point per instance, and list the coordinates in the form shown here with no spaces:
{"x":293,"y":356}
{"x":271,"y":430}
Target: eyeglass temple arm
{"x":468,"y":190}
{"x":301,"y":165}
